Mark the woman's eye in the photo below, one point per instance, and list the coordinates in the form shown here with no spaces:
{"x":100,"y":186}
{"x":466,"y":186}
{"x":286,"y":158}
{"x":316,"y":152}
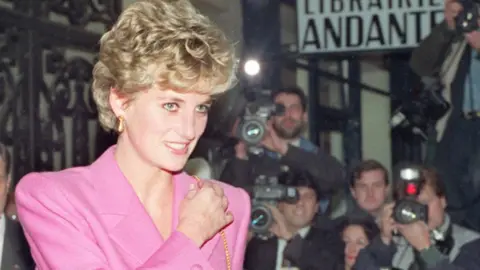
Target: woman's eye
{"x":203,"y":108}
{"x":170,"y":107}
{"x":362,"y":242}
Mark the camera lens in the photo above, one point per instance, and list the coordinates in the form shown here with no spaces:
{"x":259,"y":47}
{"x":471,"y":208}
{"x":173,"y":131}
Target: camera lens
{"x":260,"y":219}
{"x":253,"y":131}
{"x":408,"y":211}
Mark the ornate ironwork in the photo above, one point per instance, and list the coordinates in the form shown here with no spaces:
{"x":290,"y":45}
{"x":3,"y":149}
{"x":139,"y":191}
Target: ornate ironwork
{"x":47,"y":49}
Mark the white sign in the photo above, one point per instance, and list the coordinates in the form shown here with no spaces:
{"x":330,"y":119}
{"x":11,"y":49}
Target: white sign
{"x":327,"y":26}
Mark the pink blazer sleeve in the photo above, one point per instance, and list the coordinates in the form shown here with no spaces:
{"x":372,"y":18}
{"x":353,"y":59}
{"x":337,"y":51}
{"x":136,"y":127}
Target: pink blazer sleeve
{"x":51,"y":228}
{"x":59,"y":237}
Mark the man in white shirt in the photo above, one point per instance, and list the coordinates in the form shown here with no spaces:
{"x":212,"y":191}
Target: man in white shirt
{"x":13,"y":247}
{"x":298,"y":243}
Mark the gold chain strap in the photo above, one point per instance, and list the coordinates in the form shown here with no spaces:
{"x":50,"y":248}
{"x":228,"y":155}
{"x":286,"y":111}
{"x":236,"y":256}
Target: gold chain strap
{"x":224,"y":239}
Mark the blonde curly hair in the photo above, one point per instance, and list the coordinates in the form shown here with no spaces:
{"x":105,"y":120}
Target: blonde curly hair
{"x":161,"y":41}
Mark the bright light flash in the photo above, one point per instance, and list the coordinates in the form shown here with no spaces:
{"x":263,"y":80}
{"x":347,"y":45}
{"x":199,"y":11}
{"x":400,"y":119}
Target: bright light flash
{"x":251,"y":67}
{"x":409,"y":174}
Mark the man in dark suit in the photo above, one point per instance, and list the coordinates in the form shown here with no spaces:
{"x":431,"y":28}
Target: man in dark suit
{"x":454,"y":57}
{"x":14,"y":249}
{"x":298,"y":243}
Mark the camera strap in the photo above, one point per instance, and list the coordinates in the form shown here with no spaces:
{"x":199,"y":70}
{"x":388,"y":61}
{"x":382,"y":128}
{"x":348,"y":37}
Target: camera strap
{"x":445,"y":243}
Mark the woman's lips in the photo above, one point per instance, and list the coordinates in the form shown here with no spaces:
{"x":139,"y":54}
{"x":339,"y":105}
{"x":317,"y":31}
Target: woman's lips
{"x":351,"y":257}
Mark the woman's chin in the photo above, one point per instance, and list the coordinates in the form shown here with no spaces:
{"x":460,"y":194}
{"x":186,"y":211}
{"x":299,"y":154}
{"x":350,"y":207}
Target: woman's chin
{"x":174,"y":166}
{"x":168,"y":161}
{"x":350,"y":261}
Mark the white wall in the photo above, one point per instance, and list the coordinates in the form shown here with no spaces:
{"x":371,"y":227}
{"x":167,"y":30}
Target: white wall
{"x":375,"y":108}
{"x":376,"y":139}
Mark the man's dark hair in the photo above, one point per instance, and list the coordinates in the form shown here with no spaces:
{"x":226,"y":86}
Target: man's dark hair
{"x":432,"y":178}
{"x":5,"y":157}
{"x":292,"y":90}
{"x":368,"y":166}
{"x":298,"y":179}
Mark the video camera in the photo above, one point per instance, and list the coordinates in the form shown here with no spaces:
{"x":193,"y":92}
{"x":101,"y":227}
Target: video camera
{"x":267,"y":190}
{"x":409,"y":183}
{"x":258,"y":110}
{"x":467,"y":20}
{"x":422,"y":110}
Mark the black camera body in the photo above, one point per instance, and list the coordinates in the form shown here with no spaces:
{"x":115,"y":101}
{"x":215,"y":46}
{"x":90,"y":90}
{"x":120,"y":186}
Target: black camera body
{"x":407,"y":209}
{"x":257,"y":112}
{"x":423,"y":109}
{"x":266,"y":191}
{"x":467,"y":20}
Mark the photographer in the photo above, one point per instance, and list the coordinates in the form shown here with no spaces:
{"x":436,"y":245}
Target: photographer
{"x":298,"y":243}
{"x":451,"y":52}
{"x":425,"y":246}
{"x":284,"y":145}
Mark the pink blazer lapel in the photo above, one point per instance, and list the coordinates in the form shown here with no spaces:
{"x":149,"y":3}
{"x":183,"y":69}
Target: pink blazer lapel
{"x":124,"y":217}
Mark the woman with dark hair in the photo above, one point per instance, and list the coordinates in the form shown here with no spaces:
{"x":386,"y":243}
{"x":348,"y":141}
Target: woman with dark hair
{"x":357,"y":233}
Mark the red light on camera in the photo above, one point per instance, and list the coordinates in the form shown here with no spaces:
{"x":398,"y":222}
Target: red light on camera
{"x":411,"y":189}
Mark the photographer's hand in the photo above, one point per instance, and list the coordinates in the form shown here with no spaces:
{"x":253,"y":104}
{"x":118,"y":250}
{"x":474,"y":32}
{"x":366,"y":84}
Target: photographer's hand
{"x":473,"y":39}
{"x":273,"y":142}
{"x":417,"y":234}
{"x":279,"y":227}
{"x":250,"y":235}
{"x":387,"y":223}
{"x":452,"y":8}
{"x":241,"y":151}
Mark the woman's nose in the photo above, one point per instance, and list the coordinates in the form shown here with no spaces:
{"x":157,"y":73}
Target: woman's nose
{"x":350,"y":248}
{"x":187,"y":126}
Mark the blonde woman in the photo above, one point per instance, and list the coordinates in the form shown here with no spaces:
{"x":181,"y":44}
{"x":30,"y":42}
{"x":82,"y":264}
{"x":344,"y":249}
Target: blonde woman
{"x":133,"y":208}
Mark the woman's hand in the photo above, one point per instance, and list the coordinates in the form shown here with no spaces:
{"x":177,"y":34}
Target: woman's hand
{"x":203,"y":212}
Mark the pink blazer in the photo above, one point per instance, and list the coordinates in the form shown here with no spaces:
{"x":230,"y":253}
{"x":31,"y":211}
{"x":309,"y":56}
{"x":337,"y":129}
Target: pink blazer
{"x":90,"y":218}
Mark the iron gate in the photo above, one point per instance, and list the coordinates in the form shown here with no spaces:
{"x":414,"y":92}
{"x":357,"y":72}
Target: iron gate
{"x":47,"y":50}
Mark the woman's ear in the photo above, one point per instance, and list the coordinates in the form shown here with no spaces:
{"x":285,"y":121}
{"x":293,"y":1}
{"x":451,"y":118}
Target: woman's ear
{"x":117,"y":102}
